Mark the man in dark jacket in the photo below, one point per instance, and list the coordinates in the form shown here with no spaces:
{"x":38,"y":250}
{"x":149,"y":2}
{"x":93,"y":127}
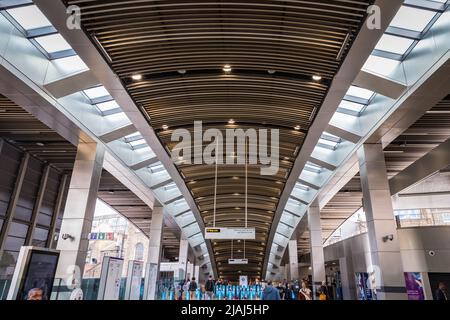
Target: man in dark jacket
{"x":209,"y":288}
{"x":271,"y":293}
{"x":441,"y":292}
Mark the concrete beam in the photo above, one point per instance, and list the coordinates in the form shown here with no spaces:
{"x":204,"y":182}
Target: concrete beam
{"x":379,"y":84}
{"x":71,"y":84}
{"x":433,"y":161}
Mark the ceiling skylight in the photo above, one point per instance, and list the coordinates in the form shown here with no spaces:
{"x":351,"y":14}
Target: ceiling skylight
{"x":394,"y":44}
{"x":137,"y":143}
{"x":133,"y":136}
{"x":157,"y":168}
{"x":352,"y":106}
{"x":360,"y":93}
{"x":29,"y":17}
{"x":53,"y":43}
{"x":309,"y":166}
{"x":96,"y":92}
{"x":109,"y":105}
{"x":412,"y":18}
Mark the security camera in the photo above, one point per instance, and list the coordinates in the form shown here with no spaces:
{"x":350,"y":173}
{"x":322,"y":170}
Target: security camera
{"x":431,"y":253}
{"x":66,"y":236}
{"x":389,"y":237}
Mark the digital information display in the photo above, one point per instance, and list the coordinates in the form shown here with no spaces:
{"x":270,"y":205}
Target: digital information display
{"x":230,"y":233}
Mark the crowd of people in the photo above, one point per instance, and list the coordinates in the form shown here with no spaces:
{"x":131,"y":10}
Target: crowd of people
{"x":221,"y":289}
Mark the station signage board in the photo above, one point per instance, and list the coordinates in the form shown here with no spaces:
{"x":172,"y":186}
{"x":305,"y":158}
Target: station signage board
{"x":214,"y":233}
{"x":237,"y":261}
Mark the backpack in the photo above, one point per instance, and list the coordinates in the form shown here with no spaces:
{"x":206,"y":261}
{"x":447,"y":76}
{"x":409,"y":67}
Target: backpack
{"x":209,"y":285}
{"x":192,"y":286}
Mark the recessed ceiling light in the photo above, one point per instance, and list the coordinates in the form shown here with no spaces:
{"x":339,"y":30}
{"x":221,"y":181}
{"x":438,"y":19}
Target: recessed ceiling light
{"x":40,"y":144}
{"x":271,"y":71}
{"x":231,"y":121}
{"x":182,"y":71}
{"x":316,"y":77}
{"x":237,"y":208}
{"x":136,"y":77}
{"x":227,"y":68}
{"x":235,"y":178}
{"x":236,"y":194}
{"x":165,"y":127}
{"x":297,"y":128}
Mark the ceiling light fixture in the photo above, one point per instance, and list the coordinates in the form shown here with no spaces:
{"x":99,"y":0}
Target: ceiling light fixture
{"x":316,"y":77}
{"x":136,"y":77}
{"x":165,"y":127}
{"x":297,"y":128}
{"x":40,"y":144}
{"x":226,"y":68}
{"x":231,"y":121}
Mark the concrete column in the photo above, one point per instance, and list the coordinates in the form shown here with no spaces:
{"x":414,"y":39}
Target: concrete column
{"x":79,"y":211}
{"x":287,"y":272}
{"x":347,"y":279}
{"x":197,"y":272}
{"x":183,"y":258}
{"x":293,"y":260}
{"x":190,"y":270}
{"x":316,"y":245}
{"x":382,"y":229}
{"x":154,"y":253}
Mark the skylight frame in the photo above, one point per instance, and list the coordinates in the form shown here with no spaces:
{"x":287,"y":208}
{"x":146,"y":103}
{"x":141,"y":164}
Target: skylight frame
{"x":65,"y":51}
{"x":157,"y":168}
{"x":312,"y":167}
{"x":23,"y":22}
{"x":408,"y":13}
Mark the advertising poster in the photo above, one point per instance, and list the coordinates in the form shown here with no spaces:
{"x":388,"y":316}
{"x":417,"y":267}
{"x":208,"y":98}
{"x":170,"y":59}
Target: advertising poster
{"x":134,"y":279}
{"x":363,"y":290}
{"x":243,"y":281}
{"x":110,"y":279}
{"x":39,"y":275}
{"x":414,"y":286}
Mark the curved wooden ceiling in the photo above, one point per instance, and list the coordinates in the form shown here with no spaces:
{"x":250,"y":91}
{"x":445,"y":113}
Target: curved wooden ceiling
{"x":274,"y":48}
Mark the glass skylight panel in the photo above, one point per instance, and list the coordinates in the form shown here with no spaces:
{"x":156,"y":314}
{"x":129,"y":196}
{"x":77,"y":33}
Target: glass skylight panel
{"x":170,"y":186}
{"x":352,"y":106}
{"x":29,"y":17}
{"x":137,"y":143}
{"x":53,"y":43}
{"x":360,"y":93}
{"x":133,"y":135}
{"x":327,"y":143}
{"x":394,"y":44}
{"x":109,"y":105}
{"x":301,"y":187}
{"x":412,"y":18}
{"x":313,"y":167}
{"x":157,"y":168}
{"x":96,"y":92}
{"x":70,"y":64}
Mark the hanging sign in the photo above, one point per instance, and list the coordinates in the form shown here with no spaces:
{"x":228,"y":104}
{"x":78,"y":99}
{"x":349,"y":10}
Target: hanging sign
{"x":237,"y":261}
{"x":230,"y":233}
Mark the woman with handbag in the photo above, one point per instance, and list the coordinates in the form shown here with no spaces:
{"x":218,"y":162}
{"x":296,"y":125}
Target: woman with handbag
{"x":305,"y":292}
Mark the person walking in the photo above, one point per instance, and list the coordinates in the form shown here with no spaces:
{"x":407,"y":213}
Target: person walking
{"x":305,"y":292}
{"x":209,"y":288}
{"x":323,"y":291}
{"x":270,"y":293}
{"x":192,"y":288}
{"x":441,"y":292}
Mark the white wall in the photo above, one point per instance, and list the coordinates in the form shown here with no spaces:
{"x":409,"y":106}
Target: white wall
{"x":415,"y":245}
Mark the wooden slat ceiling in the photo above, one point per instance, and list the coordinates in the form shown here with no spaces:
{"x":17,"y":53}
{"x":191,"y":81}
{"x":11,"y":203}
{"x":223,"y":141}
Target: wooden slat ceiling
{"x":180,"y":47}
{"x":23,"y":130}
